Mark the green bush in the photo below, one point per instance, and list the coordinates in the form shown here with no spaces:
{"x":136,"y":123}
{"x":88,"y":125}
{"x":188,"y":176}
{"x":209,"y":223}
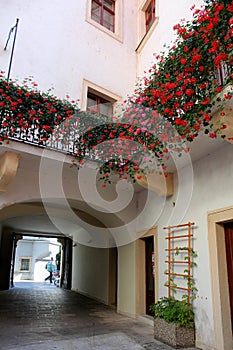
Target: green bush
{"x":172,"y":310}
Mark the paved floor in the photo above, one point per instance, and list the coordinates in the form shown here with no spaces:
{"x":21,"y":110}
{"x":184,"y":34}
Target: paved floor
{"x":40,"y":316}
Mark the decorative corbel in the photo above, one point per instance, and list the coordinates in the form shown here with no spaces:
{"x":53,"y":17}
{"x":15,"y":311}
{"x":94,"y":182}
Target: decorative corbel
{"x":223,"y":121}
{"x":9,"y":162}
{"x":157,"y":182}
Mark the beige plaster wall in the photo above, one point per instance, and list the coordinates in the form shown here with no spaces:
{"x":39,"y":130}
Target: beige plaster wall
{"x":126,"y":303}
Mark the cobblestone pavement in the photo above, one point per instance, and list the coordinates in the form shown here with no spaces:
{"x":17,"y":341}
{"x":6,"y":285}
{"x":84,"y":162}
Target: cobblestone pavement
{"x":40,"y":316}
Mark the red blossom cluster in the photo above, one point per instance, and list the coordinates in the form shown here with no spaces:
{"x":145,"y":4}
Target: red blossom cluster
{"x":26,"y":112}
{"x":183,"y":83}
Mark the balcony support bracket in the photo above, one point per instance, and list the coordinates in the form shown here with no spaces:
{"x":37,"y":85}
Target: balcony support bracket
{"x":158,"y":183}
{"x":9,"y":162}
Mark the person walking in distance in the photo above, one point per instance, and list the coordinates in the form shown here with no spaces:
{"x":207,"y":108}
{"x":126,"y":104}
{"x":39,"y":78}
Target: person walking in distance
{"x":51,"y":268}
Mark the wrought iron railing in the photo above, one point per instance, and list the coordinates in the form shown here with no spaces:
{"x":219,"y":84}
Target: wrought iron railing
{"x":56,"y":140}
{"x":67,"y":137}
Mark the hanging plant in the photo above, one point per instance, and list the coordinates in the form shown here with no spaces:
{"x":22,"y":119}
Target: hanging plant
{"x":27,"y":114}
{"x":183,"y":83}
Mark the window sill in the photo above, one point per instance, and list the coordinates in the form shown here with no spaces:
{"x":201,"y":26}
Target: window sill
{"x":147,"y":35}
{"x":114,"y":35}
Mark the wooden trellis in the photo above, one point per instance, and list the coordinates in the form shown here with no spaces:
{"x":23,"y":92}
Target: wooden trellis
{"x":172,"y":238}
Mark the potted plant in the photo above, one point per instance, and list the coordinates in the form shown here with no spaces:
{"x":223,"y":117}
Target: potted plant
{"x":174,"y":322}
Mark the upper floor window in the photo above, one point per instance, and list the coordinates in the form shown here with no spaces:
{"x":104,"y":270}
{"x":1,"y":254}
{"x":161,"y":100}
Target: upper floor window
{"x":148,"y":20}
{"x":100,"y":105}
{"x":103,"y":12}
{"x":150,"y":14}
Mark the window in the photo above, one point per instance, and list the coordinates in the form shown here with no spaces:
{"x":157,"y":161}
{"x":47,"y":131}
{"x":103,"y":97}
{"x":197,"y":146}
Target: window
{"x":148,"y":21}
{"x":107,"y":16}
{"x":25,"y":264}
{"x":103,"y":12}
{"x":150,"y":14}
{"x":100,"y":105}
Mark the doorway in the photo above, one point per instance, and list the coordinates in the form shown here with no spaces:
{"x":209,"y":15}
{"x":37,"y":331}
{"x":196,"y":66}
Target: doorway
{"x":150,"y":273}
{"x":147,"y":271}
{"x":220,"y":224}
{"x":229,"y":257}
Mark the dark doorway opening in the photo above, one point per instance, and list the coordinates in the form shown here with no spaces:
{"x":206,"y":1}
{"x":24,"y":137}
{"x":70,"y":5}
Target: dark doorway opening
{"x":229,"y":257}
{"x":150,"y":271}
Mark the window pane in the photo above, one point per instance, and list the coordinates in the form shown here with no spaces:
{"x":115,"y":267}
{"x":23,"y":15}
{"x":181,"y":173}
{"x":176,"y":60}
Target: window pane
{"x":25,"y":263}
{"x":102,"y":12}
{"x":150,"y":14}
{"x":105,"y":109}
{"x":108,"y":20}
{"x":92,"y":104}
{"x":97,"y":104}
{"x":95,"y":12}
{"x":109,"y":4}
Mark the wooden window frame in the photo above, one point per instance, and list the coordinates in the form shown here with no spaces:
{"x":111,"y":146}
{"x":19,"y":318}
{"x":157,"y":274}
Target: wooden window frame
{"x":99,"y":100}
{"x":150,"y":14}
{"x":114,"y":99}
{"x":146,"y":23}
{"x":104,"y":9}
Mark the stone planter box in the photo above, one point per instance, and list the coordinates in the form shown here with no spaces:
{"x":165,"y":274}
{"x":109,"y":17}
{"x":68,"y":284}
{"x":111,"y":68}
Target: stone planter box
{"x":174,"y":335}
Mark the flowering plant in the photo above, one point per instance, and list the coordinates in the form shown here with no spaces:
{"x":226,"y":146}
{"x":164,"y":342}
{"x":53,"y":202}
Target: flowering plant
{"x":183,"y":83}
{"x":31,"y":116}
{"x":28,"y":114}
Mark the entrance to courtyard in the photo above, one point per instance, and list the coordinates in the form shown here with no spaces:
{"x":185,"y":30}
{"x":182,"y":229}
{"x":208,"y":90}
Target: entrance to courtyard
{"x":35,"y":251}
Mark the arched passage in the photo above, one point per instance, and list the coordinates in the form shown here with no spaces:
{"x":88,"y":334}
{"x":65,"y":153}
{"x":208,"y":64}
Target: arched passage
{"x":35,"y":254}
{"x":94,"y":268}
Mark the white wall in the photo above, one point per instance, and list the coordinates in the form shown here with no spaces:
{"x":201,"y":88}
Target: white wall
{"x":212,"y":189}
{"x":58,"y":47}
{"x":91,"y":273}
